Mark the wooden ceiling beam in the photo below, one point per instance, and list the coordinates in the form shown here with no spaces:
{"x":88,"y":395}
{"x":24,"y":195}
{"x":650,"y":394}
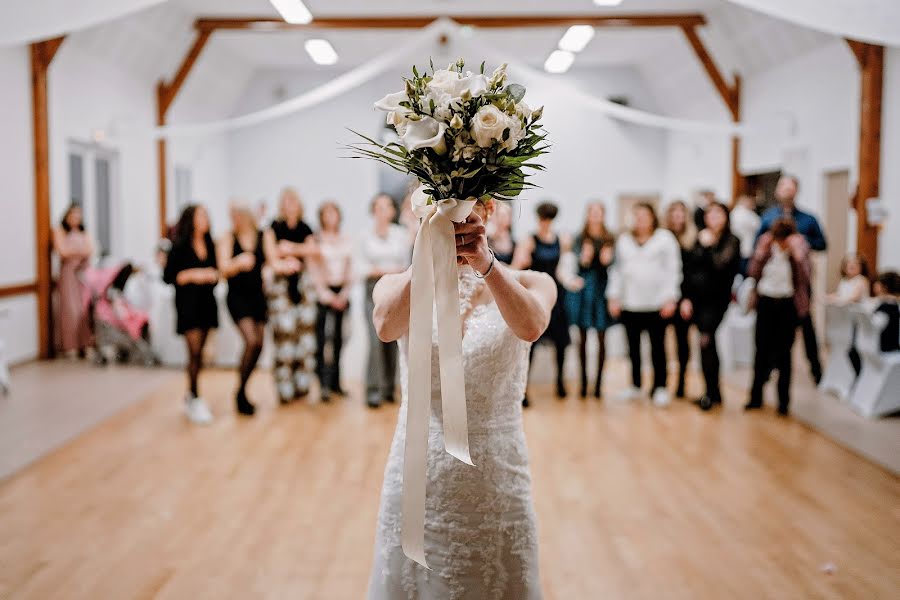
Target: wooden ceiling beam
{"x":275,"y":24}
{"x":728,"y":93}
{"x":169,"y":91}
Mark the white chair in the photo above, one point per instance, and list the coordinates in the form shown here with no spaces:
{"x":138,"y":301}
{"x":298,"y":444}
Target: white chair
{"x":839,"y":375}
{"x":877,"y":391}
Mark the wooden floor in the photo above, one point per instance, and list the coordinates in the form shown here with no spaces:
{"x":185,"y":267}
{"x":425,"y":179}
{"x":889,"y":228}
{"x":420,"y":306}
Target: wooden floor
{"x":633,"y":502}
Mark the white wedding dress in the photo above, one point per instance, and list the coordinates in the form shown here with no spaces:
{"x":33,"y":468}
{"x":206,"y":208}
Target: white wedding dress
{"x":480,"y":534}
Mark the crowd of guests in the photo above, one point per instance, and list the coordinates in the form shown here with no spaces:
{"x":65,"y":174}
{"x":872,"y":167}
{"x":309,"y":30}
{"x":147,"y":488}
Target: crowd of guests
{"x":676,"y":269}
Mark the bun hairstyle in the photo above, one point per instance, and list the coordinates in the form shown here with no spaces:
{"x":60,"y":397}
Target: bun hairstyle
{"x":783,"y":228}
{"x":546,"y":211}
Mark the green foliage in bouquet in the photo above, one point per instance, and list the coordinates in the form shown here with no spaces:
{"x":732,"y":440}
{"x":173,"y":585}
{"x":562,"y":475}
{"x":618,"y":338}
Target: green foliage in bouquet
{"x":463,"y":135}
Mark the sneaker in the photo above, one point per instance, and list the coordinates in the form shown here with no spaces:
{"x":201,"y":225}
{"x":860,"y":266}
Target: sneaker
{"x":661,"y":397}
{"x":631,"y":393}
{"x":197,"y":412}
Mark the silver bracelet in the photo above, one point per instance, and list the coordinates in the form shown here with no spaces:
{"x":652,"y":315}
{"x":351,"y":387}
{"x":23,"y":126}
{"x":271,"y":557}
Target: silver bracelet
{"x":489,"y":269}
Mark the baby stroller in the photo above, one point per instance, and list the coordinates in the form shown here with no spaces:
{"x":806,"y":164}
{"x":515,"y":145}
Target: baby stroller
{"x":117,"y":325}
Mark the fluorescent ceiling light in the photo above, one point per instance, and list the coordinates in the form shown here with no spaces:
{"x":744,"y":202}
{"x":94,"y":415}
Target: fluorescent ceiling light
{"x":559,"y":61}
{"x":293,"y":11}
{"x":607,"y":2}
{"x":576,"y":38}
{"x":321,"y":52}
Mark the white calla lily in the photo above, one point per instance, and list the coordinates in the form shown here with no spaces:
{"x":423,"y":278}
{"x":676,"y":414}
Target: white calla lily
{"x":391,"y":102}
{"x":425,"y":133}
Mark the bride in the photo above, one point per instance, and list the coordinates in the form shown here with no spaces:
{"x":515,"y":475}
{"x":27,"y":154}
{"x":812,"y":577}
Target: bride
{"x":480,"y":534}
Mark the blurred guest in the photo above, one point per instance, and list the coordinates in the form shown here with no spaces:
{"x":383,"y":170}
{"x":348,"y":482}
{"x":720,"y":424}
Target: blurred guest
{"x":855,"y":283}
{"x":887,"y":292}
{"x":705,"y":198}
{"x":333,"y":274}
{"x":679,"y":223}
{"x":191,"y":268}
{"x":745,"y":225}
{"x":74,"y":247}
{"x":500,"y":236}
{"x":643,"y":292}
{"x":586,"y":307}
{"x":241,"y":256}
{"x":291,"y":298}
{"x":386,"y":249}
{"x":541,"y":252}
{"x":807,"y":226}
{"x":709,"y":271}
{"x":781,"y":268}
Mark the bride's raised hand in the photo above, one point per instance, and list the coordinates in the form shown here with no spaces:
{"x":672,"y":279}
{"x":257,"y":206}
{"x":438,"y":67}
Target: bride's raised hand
{"x":471,"y":243}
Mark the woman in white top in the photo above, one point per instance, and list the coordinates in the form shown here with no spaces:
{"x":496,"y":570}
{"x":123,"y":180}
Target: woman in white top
{"x":643,"y":291}
{"x":745,"y":225}
{"x":332,"y":271}
{"x":855,"y":284}
{"x":386,"y":250}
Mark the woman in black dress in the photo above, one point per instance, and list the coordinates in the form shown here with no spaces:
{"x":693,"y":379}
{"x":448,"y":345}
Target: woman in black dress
{"x":709,"y":271}
{"x":191,"y":268}
{"x":241,"y":258}
{"x":678,"y":220}
{"x":292,"y":302}
{"x":541,"y":252}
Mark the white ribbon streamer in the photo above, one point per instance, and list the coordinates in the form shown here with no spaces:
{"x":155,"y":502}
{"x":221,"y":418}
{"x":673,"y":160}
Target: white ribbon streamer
{"x":371,"y":69}
{"x":434,"y":280}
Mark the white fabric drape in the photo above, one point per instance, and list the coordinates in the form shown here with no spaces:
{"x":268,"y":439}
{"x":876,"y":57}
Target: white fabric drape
{"x":23,"y":22}
{"x":400,"y":56}
{"x":874,"y":21}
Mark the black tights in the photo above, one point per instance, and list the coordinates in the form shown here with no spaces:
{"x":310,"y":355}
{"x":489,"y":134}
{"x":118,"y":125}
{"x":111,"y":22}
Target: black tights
{"x":560,"y":361}
{"x":682,"y":328}
{"x":252,"y":332}
{"x":709,"y":362}
{"x":195,"y":339}
{"x":582,"y":356}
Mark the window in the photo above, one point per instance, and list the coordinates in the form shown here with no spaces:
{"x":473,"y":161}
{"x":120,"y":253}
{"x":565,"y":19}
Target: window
{"x":92,"y":185}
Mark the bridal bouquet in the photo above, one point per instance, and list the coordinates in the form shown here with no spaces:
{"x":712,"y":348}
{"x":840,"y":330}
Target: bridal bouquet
{"x":463,"y":134}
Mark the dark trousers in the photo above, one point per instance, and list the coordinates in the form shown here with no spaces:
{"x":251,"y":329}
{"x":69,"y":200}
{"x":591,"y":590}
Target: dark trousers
{"x":811,"y":345}
{"x":382,"y":368}
{"x":682,"y":329}
{"x":635,"y":323}
{"x":776,"y":327}
{"x":708,"y":321}
{"x":329,"y":372}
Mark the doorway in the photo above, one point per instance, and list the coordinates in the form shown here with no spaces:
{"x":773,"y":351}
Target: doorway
{"x":837,"y":207}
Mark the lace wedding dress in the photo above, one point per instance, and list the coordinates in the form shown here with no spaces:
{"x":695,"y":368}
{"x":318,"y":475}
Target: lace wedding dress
{"x":480,"y":534}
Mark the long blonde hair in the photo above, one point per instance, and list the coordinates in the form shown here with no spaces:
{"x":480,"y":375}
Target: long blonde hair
{"x":687,"y":236}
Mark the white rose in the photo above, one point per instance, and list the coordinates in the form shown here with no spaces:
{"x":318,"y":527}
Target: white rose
{"x":488,"y":125}
{"x":425,"y":133}
{"x":452,"y":83}
{"x":523,"y":110}
{"x":516,"y":133}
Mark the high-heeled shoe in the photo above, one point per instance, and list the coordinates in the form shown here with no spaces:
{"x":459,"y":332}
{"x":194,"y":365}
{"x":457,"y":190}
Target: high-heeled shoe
{"x":243,"y":405}
{"x":560,"y":390}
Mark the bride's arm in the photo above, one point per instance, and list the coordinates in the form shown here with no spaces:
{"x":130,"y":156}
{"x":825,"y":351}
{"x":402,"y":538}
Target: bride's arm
{"x":524,"y":298}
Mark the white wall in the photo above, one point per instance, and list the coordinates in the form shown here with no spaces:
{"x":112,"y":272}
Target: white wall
{"x":889,"y":240}
{"x":18,"y":315}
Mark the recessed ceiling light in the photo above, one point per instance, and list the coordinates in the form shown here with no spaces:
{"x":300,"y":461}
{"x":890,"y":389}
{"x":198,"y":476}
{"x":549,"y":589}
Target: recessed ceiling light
{"x":576,"y":38}
{"x":321,"y":52}
{"x":293,"y":11}
{"x":607,"y":2}
{"x":559,"y":61}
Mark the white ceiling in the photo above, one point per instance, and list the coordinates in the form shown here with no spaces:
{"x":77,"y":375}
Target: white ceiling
{"x":739,"y":39}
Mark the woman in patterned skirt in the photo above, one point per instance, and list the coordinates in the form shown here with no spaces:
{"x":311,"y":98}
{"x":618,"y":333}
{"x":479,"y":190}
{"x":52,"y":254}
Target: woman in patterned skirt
{"x":292,"y":304}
